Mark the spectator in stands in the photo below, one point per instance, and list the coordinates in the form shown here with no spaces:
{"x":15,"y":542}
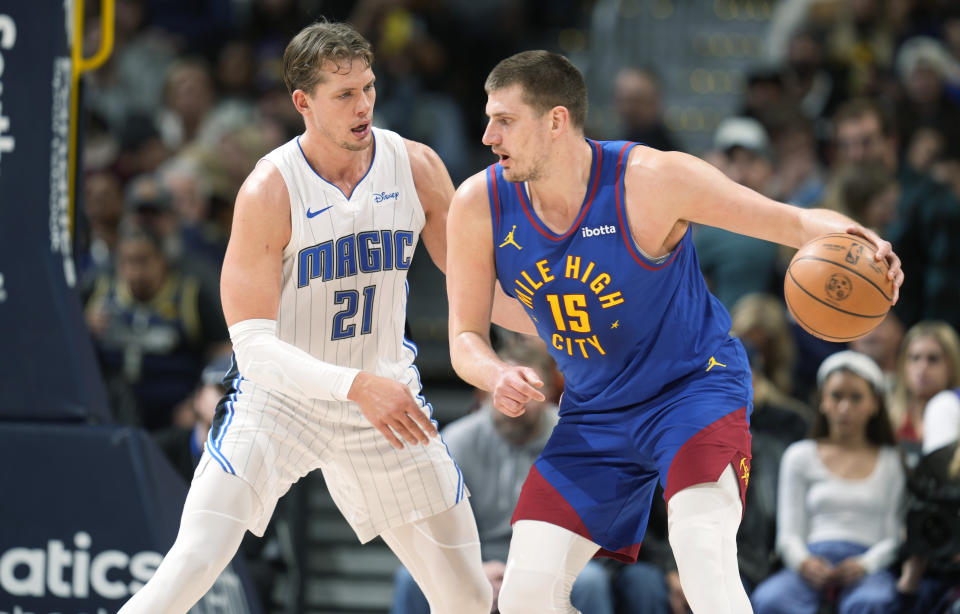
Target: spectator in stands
{"x":882,"y":344}
{"x":811,"y":80}
{"x":734,"y":264}
{"x":154,"y":327}
{"x":761,"y":320}
{"x":800,"y":178}
{"x":868,"y":192}
{"x":637,"y":101}
{"x":862,"y":40}
{"x":929,"y":364}
{"x":777,"y":421}
{"x":840,"y":498}
{"x":923,"y":582}
{"x":188,"y":97}
{"x":203,"y":227}
{"x":127,"y":84}
{"x":150,"y":206}
{"x":495,"y":453}
{"x":183,"y":442}
{"x":928,"y":216}
{"x":925,"y":70}
{"x":103,"y":206}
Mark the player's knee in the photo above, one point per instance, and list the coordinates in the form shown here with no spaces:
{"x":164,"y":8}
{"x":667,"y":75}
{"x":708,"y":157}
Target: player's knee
{"x":526,"y":591}
{"x":518,"y":596}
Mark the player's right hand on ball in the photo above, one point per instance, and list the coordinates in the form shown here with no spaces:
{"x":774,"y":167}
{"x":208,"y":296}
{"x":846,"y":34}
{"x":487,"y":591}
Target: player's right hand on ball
{"x":389,"y":406}
{"x":514,"y":388}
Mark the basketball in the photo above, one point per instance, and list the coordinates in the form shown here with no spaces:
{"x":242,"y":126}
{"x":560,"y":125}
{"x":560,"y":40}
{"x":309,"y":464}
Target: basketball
{"x":835,"y":289}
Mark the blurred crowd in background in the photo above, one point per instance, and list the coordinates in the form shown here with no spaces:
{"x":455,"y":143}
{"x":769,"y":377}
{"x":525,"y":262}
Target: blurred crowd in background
{"x":852,"y":105}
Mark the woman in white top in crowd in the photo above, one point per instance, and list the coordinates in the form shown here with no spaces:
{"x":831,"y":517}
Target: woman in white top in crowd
{"x":839,"y":508}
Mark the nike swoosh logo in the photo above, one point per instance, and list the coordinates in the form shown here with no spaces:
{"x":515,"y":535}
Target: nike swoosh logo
{"x":316,"y":213}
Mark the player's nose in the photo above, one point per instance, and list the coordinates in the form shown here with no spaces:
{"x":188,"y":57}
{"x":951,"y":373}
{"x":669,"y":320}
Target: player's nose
{"x":490,"y":136}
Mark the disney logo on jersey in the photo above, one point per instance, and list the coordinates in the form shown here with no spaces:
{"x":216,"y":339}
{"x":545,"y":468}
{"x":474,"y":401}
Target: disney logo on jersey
{"x":570,"y":309}
{"x":586,"y":231}
{"x":382,"y":196}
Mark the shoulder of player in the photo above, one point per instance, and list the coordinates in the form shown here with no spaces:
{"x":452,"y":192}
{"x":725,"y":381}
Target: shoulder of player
{"x":472,"y":195}
{"x":652,"y":164}
{"x":473,"y":188}
{"x":264,"y":189}
{"x":263,"y":204}
{"x":424,"y":161}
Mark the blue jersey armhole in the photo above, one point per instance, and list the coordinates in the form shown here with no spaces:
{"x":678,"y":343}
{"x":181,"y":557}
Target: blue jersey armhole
{"x":621,"y":204}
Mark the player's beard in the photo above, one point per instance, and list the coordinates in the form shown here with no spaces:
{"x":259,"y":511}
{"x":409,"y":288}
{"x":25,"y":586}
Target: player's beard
{"x":358,"y":145}
{"x":525,"y":175}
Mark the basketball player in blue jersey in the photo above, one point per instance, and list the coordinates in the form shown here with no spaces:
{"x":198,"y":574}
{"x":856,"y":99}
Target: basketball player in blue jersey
{"x":314,"y":293}
{"x":593,"y":239}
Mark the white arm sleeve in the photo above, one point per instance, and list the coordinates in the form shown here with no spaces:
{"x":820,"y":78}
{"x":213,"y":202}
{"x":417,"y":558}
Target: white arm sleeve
{"x":264,"y":359}
{"x":791,"y":505}
{"x":941,"y":421}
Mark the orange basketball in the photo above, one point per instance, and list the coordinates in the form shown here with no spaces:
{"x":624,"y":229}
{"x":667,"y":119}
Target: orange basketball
{"x":835,"y":289}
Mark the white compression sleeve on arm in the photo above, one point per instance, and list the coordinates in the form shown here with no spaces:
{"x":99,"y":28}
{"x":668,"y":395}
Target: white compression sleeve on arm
{"x":265,"y":359}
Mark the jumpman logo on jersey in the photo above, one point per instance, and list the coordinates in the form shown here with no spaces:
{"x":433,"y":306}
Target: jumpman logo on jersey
{"x":509,"y":240}
{"x":745,"y":469}
{"x":713,"y":363}
{"x":615,"y":324}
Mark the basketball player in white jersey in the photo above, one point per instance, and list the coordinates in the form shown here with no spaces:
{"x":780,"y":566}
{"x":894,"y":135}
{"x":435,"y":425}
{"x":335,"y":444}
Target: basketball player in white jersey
{"x":314,"y":292}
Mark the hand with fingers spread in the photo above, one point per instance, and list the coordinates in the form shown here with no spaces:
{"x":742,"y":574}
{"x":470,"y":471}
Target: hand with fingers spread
{"x":884,"y":252}
{"x":515,"y":387}
{"x":389,"y":406}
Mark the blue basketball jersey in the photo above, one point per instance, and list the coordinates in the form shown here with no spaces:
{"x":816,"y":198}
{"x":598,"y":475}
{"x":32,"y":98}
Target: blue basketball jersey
{"x":622,"y":328}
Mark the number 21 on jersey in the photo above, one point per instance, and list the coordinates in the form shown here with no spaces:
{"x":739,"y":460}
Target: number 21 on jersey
{"x":351,"y":299}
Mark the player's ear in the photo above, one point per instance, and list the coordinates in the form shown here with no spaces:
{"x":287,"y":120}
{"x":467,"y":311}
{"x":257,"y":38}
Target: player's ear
{"x":559,"y":119}
{"x":301,"y":101}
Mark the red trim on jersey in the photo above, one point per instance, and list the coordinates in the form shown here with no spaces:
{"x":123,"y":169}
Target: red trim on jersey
{"x":522,"y":195}
{"x":495,"y":193}
{"x":541,"y":501}
{"x":705,"y":455}
{"x":625,"y":230}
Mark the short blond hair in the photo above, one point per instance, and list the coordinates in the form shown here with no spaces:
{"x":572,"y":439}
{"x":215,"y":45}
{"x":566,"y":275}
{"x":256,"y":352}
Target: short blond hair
{"x":318,"y":43}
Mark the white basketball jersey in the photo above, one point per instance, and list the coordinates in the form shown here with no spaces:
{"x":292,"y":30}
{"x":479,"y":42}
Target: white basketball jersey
{"x":344,"y":295}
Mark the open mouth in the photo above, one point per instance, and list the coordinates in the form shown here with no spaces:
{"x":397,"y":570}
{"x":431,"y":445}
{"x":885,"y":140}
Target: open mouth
{"x":362,"y":130}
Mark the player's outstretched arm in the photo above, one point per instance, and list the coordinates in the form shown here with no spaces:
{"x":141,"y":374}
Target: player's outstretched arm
{"x":471,"y":283}
{"x":250,"y":287}
{"x":679,"y":187}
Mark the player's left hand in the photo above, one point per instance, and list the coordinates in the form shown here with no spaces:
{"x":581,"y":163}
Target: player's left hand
{"x":516,"y":386}
{"x":884,"y":252}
